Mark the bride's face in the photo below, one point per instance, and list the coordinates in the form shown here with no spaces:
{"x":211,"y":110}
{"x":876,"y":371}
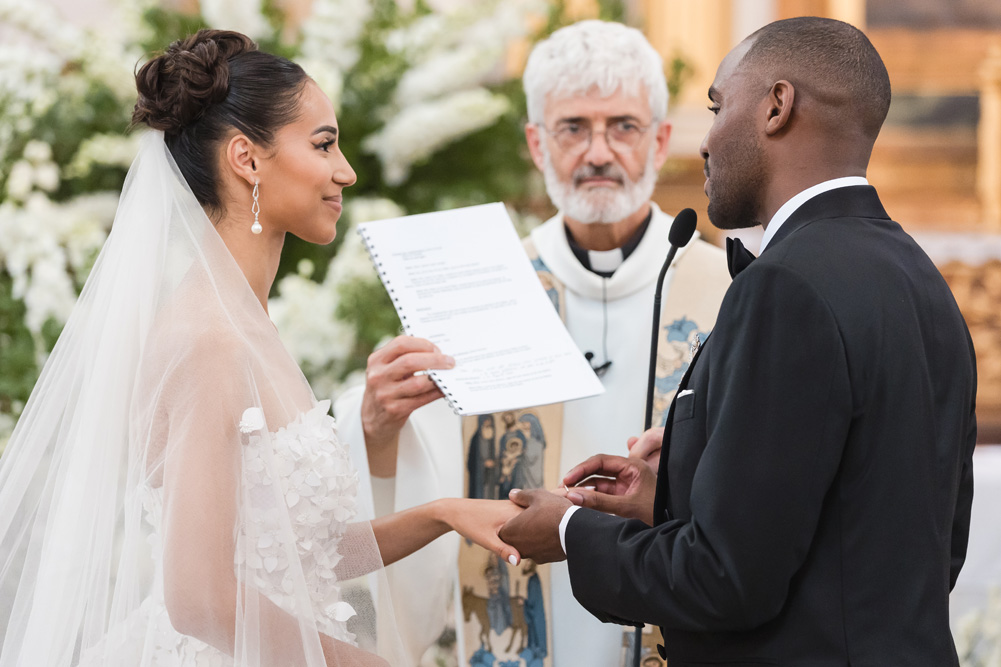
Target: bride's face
{"x":302,"y":180}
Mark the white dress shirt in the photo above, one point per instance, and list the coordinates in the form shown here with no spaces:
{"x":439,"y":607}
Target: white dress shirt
{"x":788,"y":208}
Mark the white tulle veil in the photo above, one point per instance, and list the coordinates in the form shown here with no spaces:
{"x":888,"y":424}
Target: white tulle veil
{"x":172,"y":469}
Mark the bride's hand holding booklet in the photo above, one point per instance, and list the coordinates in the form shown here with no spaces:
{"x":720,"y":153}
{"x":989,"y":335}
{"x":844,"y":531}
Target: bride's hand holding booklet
{"x":461,"y":279}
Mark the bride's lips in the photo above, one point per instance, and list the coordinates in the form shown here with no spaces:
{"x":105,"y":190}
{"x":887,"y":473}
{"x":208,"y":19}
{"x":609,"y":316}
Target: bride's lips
{"x":334,"y":202}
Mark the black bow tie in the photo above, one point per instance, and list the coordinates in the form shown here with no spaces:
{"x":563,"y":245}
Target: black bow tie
{"x":738,"y":257}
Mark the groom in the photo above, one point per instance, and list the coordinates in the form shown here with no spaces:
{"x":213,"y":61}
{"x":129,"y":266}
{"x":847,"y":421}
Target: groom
{"x":813,"y":498}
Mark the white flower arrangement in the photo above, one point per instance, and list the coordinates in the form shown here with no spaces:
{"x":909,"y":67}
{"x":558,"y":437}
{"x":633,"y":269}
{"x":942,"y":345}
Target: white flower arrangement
{"x":305,"y":311}
{"x":441,"y":98}
{"x":48,"y":249}
{"x":239,"y":15}
{"x":108,"y":150}
{"x":448,"y":71}
{"x":419,"y":131}
{"x":332,"y":32}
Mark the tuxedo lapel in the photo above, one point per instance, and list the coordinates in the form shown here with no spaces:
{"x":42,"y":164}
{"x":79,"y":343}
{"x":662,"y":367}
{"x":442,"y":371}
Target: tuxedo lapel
{"x":662,"y":499}
{"x":856,"y":201}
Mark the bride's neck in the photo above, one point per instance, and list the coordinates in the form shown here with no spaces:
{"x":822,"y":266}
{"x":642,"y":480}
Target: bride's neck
{"x":256,"y":254}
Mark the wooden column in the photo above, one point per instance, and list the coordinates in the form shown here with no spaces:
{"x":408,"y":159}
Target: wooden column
{"x":698,"y":31}
{"x":849,"y":11}
{"x":989,"y":139}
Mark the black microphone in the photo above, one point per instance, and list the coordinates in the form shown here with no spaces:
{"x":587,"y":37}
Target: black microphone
{"x":681,"y":233}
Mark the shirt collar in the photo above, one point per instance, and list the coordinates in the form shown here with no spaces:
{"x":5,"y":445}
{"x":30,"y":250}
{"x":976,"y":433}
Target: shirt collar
{"x":605,"y":263}
{"x":788,"y":208}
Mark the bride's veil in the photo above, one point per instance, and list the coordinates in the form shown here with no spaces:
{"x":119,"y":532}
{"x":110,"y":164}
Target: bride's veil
{"x":173,"y":470}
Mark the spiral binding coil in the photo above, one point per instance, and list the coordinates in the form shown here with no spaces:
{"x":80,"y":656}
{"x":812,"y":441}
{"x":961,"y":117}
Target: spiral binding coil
{"x":374,"y":256}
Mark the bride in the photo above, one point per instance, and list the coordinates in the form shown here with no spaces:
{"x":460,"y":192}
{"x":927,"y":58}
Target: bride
{"x":173,"y":493}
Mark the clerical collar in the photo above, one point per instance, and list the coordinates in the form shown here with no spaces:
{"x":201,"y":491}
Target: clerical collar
{"x":605,"y":262}
{"x":790,"y":206}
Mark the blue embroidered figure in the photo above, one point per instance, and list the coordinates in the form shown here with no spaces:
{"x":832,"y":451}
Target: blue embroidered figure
{"x":531,"y":468}
{"x":680,"y":330}
{"x":498,"y":594}
{"x":482,"y":658}
{"x":535,"y":618}
{"x":482,"y":462}
{"x":546,"y":278}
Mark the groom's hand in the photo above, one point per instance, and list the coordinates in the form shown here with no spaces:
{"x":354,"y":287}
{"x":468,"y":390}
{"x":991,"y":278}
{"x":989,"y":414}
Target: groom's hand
{"x":622,"y":486}
{"x":535,"y":533}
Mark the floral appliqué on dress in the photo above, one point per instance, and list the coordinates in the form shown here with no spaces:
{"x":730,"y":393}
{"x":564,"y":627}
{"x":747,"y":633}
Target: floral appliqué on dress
{"x":299,"y":477}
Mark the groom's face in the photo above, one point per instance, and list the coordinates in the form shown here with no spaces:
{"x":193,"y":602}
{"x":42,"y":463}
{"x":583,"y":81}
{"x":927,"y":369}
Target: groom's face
{"x":736,"y":166}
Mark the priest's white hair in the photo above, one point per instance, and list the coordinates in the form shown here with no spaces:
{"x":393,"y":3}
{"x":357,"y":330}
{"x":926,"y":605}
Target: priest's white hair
{"x":589,"y":54}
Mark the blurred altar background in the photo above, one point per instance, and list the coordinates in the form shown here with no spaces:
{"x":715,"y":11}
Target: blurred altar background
{"x":431,"y":114}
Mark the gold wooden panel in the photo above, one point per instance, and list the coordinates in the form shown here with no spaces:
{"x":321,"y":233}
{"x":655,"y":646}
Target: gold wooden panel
{"x":978,"y":292}
{"x":943,"y":62}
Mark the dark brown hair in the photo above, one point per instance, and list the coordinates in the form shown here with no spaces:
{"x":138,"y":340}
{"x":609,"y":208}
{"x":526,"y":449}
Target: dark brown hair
{"x":206,"y":85}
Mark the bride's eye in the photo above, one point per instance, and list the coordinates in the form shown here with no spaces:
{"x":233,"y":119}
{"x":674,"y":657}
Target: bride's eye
{"x":325,"y":146}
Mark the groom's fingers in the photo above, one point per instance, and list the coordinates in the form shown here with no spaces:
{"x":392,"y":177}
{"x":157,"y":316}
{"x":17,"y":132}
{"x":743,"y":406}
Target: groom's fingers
{"x":604,"y":465}
{"x":522,"y":497}
{"x":596,"y":500}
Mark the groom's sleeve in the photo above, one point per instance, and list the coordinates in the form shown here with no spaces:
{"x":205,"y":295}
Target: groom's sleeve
{"x":777,"y":414}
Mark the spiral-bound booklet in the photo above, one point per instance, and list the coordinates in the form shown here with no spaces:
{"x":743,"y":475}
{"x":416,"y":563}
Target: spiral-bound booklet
{"x":461,"y":279}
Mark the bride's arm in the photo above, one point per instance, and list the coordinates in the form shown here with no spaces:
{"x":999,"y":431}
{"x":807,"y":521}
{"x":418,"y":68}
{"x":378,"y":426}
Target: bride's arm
{"x":202,"y":486}
{"x":403,"y":533}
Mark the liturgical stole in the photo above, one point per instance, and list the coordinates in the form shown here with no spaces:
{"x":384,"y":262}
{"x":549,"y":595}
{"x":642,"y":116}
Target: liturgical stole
{"x":506,"y":614}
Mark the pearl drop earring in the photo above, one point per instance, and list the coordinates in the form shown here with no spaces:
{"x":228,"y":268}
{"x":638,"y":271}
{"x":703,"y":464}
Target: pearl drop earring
{"x":255,"y":208}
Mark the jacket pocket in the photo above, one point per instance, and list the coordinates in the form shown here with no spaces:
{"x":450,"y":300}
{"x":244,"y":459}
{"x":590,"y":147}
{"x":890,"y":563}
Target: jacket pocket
{"x":684,"y":406}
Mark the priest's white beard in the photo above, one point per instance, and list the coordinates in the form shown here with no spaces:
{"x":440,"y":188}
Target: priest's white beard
{"x":605,"y":205}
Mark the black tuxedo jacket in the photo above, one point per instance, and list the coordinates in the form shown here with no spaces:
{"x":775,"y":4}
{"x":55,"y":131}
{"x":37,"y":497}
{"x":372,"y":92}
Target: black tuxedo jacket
{"x":815,"y":485}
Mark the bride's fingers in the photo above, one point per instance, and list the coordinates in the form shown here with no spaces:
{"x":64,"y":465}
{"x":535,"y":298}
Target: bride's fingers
{"x":504,"y":550}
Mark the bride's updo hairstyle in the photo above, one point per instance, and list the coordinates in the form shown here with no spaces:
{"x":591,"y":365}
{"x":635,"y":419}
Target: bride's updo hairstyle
{"x":206,"y":85}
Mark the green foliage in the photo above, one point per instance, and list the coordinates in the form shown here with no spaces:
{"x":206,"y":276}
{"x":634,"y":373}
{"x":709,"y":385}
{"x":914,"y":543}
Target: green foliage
{"x":166,"y":26}
{"x":17,"y":351}
{"x":368,"y":306}
{"x":613,"y":10}
{"x":679,"y":71}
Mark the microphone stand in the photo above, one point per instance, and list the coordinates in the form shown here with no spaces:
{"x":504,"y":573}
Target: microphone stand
{"x":681,"y":232}
{"x":654,"y":337}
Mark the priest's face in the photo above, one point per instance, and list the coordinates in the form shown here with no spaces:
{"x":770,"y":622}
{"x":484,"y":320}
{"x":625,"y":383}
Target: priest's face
{"x":736,"y":166}
{"x":599,"y":155}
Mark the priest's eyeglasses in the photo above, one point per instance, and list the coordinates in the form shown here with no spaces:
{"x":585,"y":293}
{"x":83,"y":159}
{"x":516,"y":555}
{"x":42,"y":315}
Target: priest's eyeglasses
{"x":574,"y":136}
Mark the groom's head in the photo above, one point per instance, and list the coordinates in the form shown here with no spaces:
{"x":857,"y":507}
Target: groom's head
{"x":798,"y":102}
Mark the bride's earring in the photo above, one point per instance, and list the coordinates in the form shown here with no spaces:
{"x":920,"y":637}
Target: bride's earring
{"x":255,"y":208}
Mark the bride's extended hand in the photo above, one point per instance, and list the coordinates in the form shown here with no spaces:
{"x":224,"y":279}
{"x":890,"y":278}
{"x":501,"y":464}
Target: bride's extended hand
{"x":480,"y":521}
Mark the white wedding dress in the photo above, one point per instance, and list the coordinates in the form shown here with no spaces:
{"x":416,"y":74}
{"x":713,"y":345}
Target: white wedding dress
{"x":319,"y":486}
{"x":173,"y":457}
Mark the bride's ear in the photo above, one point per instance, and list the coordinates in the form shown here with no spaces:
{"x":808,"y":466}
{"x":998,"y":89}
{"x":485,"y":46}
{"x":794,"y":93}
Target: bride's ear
{"x":241,"y":156}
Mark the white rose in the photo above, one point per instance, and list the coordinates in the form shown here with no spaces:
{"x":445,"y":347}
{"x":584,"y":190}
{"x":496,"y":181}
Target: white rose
{"x":47,"y":177}
{"x":20,"y":180}
{"x":37,"y":152}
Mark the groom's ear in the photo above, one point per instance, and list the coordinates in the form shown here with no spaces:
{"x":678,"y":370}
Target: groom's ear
{"x":241,"y":156}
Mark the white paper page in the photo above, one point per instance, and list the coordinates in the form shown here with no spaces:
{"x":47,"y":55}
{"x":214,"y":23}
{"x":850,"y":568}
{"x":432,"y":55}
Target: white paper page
{"x":461,"y":279}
